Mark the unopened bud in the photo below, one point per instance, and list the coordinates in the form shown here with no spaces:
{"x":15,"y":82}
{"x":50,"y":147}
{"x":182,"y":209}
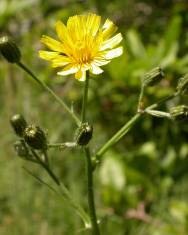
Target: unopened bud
{"x":18,"y":123}
{"x":152,"y":77}
{"x":21,"y":149}
{"x":179,"y":112}
{"x":35,"y":137}
{"x":182,"y":86}
{"x":9,"y":50}
{"x":84,"y":134}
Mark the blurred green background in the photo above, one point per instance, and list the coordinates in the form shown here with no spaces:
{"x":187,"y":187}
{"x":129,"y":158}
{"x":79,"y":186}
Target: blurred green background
{"x":141,"y":184}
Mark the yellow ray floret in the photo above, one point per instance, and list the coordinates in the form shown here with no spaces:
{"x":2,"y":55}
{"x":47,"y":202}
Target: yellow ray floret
{"x":83,"y":45}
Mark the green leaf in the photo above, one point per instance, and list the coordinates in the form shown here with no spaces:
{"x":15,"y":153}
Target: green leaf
{"x":112,"y":172}
{"x":170,"y":57}
{"x":172,"y":34}
{"x":135,"y":44}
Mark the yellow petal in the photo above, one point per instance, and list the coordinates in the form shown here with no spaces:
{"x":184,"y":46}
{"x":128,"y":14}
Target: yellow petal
{"x":61,"y":30}
{"x":60,"y":61}
{"x":69,"y":69}
{"x":83,"y":45}
{"x":113,"y":53}
{"x":101,"y":62}
{"x":74,"y":27}
{"x":93,"y":24}
{"x":112,"y":42}
{"x":81,"y":75}
{"x":48,"y":55}
{"x":95,"y":69}
{"x":52,"y":43}
{"x":109,"y":29}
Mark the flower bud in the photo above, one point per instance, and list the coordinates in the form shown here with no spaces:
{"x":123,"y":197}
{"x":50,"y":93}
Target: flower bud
{"x":9,"y":50}
{"x":179,"y":112}
{"x":18,"y":123}
{"x":182,"y":86}
{"x":152,"y":77}
{"x":35,"y":137}
{"x":21,"y":149}
{"x":84,"y":134}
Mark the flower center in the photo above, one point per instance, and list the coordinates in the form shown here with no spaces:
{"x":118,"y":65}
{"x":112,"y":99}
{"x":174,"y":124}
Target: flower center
{"x":83,"y":51}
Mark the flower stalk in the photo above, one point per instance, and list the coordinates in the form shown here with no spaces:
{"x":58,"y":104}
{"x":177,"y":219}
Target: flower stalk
{"x":89,"y":167}
{"x":85,"y":96}
{"x":140,"y":100}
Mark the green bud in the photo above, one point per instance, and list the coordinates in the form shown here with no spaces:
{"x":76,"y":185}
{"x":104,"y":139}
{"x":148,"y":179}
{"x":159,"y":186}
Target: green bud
{"x":35,"y":137}
{"x":179,"y":112}
{"x":84,"y":134}
{"x":182,"y":86}
{"x":152,"y":77}
{"x":21,"y":149}
{"x":18,"y":123}
{"x":9,"y":50}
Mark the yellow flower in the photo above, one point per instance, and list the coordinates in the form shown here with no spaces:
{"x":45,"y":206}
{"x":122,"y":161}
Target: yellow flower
{"x":83,"y":45}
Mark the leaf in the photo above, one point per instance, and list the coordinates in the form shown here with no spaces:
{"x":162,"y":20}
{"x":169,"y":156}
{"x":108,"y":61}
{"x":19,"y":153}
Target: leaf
{"x":179,"y":210}
{"x":172,"y":34}
{"x":112,"y":172}
{"x":170,"y":58}
{"x":135,"y":44}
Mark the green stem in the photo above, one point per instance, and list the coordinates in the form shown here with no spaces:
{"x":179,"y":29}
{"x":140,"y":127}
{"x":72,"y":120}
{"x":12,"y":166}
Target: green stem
{"x":63,"y":190}
{"x":61,"y":102}
{"x":157,"y":113}
{"x":124,"y":130}
{"x":46,"y":157}
{"x":118,"y":135}
{"x":41,"y":181}
{"x":84,"y":101}
{"x":46,"y":167}
{"x":89,"y":168}
{"x":140,"y":100}
{"x":91,"y":202}
{"x":63,"y":145}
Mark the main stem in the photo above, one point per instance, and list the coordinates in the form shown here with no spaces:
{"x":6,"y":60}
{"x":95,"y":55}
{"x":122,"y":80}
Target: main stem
{"x":61,"y":102}
{"x":89,"y":168}
{"x":91,"y":202}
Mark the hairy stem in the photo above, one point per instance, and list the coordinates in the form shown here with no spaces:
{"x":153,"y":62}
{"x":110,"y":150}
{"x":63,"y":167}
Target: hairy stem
{"x":91,"y":202}
{"x":89,"y":167}
{"x":46,"y":167}
{"x":118,"y":135}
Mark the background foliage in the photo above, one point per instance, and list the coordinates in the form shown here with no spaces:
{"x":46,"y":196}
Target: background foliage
{"x":141,"y":184}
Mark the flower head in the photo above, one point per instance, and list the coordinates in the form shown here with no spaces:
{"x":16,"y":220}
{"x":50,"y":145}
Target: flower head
{"x":83,"y":45}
